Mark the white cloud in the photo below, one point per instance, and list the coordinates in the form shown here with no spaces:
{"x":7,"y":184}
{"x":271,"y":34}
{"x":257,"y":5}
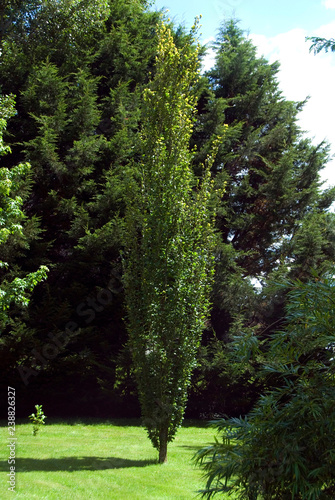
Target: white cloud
{"x":303,"y":74}
{"x":209,"y":59}
{"x":329,"y":4}
{"x":326,"y":30}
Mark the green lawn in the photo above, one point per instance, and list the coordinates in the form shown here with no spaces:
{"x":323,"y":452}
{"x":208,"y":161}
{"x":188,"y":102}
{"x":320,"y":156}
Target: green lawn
{"x":91,"y":459}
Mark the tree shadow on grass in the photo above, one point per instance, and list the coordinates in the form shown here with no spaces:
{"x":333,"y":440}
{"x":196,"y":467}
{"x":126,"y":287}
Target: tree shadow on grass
{"x":71,"y":464}
{"x":91,"y":421}
{"x":191,"y":422}
{"x":73,"y":421}
{"x":196,"y":447}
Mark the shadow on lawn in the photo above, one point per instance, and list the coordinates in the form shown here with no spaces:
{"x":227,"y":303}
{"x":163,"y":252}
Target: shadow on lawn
{"x":196,"y":447}
{"x":72,"y":464}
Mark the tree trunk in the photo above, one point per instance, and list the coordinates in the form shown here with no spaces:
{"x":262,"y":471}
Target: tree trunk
{"x":163,"y":435}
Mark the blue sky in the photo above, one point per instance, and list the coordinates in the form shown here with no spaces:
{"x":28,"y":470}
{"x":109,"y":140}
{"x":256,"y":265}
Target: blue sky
{"x":268,"y":17}
{"x":278,"y":29}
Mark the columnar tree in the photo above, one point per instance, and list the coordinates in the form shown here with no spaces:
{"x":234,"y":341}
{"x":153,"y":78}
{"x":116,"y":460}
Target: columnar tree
{"x":169,"y":240}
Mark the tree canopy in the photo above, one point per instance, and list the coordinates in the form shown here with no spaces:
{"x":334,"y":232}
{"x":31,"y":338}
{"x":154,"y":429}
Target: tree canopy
{"x":78,"y":70}
{"x":273,"y":218}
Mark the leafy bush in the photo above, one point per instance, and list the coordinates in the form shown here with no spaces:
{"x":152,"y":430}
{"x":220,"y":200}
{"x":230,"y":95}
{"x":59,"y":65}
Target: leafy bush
{"x":284,"y":449}
{"x":37,"y":419}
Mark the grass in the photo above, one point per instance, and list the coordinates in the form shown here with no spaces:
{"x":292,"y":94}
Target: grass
{"x":100,"y":460}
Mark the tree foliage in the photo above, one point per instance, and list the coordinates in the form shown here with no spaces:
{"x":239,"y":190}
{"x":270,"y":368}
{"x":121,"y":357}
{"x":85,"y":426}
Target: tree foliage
{"x":15,"y":14}
{"x":169,"y":241}
{"x":13,"y":188}
{"x":273,"y":172}
{"x":283,"y":448}
{"x":319,"y":44}
{"x":78,"y":69}
{"x":76,"y":122}
{"x":273,"y":216}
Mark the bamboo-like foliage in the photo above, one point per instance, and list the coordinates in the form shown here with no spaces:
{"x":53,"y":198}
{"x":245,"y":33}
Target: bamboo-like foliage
{"x":169,"y":241}
{"x":284,"y":449}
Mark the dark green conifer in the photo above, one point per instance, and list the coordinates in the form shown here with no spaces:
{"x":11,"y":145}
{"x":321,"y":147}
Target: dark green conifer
{"x":273,"y":216}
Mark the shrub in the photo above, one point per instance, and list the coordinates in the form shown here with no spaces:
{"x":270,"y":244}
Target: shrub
{"x":37,"y":419}
{"x":284,"y":449}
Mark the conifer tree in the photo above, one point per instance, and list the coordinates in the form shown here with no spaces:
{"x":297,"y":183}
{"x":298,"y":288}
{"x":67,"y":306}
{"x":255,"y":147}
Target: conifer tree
{"x":76,"y":122}
{"x":273,"y":173}
{"x":273,"y":217}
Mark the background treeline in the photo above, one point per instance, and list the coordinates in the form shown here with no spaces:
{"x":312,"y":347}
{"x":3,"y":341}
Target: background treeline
{"x":77,"y":69}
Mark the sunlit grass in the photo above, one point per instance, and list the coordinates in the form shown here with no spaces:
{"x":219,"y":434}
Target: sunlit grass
{"x":91,"y":459}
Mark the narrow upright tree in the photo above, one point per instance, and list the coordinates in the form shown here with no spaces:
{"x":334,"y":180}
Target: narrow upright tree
{"x":169,"y":240}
